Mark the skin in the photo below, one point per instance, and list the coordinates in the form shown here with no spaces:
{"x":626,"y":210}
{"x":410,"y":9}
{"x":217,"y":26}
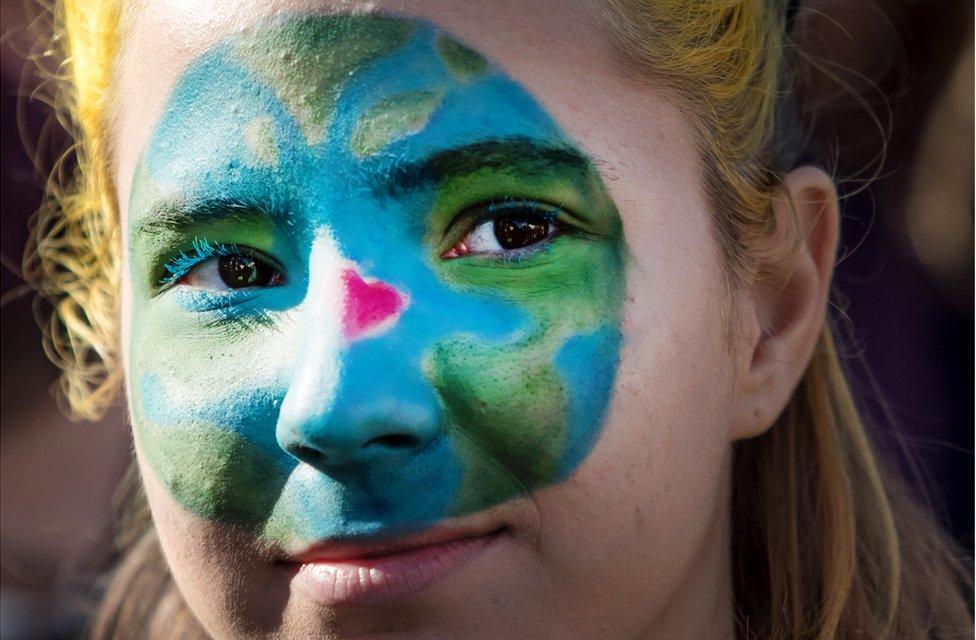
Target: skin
{"x":489,"y":373}
{"x":584,"y":395}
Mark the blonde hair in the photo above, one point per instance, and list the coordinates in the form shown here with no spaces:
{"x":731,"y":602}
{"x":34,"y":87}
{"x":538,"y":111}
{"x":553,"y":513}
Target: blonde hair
{"x":825,"y":543}
{"x":74,"y":256}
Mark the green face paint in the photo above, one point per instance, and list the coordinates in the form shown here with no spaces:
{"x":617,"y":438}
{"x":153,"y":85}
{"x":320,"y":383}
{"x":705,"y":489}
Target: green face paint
{"x":463,"y":62}
{"x":307,"y":62}
{"x":392,"y":119}
{"x":427,"y":280}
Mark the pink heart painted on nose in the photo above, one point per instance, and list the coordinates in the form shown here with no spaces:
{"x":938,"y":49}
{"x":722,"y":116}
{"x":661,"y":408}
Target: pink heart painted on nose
{"x":371,"y":307}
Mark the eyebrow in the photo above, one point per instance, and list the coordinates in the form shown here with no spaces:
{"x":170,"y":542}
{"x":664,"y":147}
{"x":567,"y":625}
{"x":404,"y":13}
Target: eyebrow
{"x":524,"y":155}
{"x":180,"y":215}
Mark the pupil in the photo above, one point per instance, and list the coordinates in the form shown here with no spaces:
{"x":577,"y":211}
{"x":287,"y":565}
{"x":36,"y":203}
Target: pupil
{"x":243,"y":271}
{"x":515,"y":233}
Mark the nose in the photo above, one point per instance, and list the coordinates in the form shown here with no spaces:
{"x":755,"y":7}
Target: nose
{"x":382,"y":410}
{"x":388,"y":429}
{"x":357,"y":395}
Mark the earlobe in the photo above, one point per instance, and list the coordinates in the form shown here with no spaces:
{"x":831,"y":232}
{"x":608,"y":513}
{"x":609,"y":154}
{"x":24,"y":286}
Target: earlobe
{"x":788,"y":307}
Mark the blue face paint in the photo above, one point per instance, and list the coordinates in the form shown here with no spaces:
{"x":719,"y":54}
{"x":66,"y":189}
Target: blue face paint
{"x":375,"y":286}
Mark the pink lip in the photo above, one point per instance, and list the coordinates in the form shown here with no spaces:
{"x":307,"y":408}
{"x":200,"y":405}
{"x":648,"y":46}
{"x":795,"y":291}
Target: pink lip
{"x":368,"y":575}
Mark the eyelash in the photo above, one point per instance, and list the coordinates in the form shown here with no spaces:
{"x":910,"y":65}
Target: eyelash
{"x":494,"y":209}
{"x":202,"y":250}
{"x":543,"y":210}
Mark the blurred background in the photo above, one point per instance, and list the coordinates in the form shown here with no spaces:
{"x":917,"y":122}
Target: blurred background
{"x":904,"y":291}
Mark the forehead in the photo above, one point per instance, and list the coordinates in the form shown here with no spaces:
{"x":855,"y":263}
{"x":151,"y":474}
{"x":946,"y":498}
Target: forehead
{"x":543,"y":46}
{"x":325,"y":89}
{"x":557,"y":50}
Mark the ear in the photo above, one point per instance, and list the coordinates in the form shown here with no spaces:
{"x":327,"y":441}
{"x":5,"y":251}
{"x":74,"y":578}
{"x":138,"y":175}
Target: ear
{"x":781,"y":317}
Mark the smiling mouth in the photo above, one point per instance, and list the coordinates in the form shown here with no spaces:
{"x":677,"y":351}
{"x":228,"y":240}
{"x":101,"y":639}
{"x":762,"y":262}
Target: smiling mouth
{"x":358,"y":573}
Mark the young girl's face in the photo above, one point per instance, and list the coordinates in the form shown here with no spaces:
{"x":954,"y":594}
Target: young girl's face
{"x":425,"y":327}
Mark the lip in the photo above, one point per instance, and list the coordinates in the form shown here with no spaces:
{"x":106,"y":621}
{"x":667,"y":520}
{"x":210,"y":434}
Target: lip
{"x":371,"y":573}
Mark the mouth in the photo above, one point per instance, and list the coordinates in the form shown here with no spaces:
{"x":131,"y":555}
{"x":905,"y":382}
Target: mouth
{"x":356,"y":573}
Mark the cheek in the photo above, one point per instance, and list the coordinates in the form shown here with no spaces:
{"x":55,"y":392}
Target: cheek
{"x":523,"y":414}
{"x":646,"y":509}
{"x":526,"y":413}
{"x":230,"y":587}
{"x":203,"y":403}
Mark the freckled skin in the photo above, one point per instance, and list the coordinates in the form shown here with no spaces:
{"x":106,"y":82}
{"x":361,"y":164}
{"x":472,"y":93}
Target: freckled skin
{"x":498,"y":372}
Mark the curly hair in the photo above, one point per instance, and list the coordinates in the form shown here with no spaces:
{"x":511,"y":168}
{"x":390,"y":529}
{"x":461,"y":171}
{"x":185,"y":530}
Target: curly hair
{"x":74,"y":256}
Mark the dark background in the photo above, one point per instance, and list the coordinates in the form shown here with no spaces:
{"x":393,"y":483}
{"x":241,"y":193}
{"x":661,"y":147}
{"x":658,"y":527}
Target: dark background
{"x":904,"y":292}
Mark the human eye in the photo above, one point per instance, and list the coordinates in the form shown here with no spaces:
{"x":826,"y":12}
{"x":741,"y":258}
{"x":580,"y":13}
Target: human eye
{"x":506,"y":229}
{"x":220,"y":267}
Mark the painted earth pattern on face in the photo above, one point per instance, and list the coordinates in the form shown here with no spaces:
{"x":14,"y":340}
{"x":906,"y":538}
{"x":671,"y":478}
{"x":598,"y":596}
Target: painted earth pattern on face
{"x":424,"y":388}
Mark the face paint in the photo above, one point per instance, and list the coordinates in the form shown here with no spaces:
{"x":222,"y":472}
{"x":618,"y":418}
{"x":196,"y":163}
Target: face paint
{"x":335,"y":330}
{"x":369,"y":306}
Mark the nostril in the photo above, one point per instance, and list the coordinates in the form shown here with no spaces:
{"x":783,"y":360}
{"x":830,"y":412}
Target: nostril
{"x":307,"y":454}
{"x":395,"y":441}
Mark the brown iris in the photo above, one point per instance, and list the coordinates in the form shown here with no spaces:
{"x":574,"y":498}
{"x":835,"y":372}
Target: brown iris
{"x":514,"y":232}
{"x":239,"y":271}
